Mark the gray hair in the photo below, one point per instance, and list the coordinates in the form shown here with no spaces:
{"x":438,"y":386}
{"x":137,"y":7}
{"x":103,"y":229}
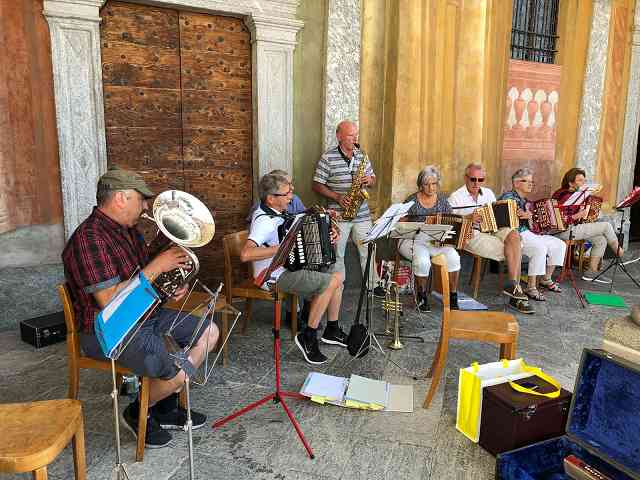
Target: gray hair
{"x":427,"y":172}
{"x":269,"y":184}
{"x":282,"y":173}
{"x":473,"y":166}
{"x":521,"y":173}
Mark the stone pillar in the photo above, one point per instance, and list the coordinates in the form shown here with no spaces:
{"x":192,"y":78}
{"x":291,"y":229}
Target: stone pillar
{"x":342,"y":91}
{"x":77,"y":76}
{"x":632,"y":115}
{"x":273,"y":43}
{"x":593,"y":90}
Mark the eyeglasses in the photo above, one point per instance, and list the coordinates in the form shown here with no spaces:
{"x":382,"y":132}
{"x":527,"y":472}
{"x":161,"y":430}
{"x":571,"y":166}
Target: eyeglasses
{"x":527,"y":181}
{"x":283,"y":194}
{"x":476,"y":179}
{"x":434,"y":184}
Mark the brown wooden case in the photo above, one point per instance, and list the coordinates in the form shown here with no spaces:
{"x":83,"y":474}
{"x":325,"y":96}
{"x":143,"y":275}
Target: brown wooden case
{"x":512,"y":419}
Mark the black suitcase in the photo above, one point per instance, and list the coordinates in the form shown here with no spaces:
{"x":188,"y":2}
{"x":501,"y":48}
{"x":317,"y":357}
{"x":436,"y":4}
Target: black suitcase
{"x":44,"y":330}
{"x":511,"y":419}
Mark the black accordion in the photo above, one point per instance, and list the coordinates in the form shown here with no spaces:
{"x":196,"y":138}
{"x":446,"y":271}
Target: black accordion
{"x":312,"y":248}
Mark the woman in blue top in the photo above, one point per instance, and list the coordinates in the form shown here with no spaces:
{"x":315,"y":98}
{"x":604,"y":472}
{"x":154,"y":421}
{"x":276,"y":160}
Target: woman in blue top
{"x":545,"y":252}
{"x":428,"y":201}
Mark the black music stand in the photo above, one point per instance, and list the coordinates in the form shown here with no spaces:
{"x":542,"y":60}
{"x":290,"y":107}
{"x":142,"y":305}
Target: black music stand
{"x":617,"y":262}
{"x":278,"y":395}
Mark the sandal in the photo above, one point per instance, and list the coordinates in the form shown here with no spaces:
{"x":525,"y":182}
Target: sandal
{"x":534,"y":294}
{"x":550,"y":285}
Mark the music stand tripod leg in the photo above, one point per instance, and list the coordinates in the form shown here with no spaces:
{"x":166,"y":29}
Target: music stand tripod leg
{"x":119,"y":469}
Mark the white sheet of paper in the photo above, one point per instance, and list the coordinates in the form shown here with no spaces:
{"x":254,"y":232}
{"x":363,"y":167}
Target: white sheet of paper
{"x":328,"y":386}
{"x":387,"y":221}
{"x":116,"y":301}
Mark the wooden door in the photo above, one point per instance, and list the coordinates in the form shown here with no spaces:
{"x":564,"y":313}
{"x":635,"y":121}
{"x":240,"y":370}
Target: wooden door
{"x":177,"y":91}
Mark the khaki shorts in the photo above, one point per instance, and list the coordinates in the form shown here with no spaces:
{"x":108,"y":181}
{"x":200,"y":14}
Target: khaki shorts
{"x":304,"y":283}
{"x":488,"y":245}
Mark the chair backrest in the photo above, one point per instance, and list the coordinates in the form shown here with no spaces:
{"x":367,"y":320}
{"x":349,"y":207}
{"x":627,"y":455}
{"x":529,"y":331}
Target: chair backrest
{"x":73,"y":342}
{"x":232,"y":245}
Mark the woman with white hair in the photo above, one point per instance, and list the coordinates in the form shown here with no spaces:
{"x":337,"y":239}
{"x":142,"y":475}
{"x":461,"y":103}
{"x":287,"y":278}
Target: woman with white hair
{"x":545,"y":252}
{"x":428,"y":201}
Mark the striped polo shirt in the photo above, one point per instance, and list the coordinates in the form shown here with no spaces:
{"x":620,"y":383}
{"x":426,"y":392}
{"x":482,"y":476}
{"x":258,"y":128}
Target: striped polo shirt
{"x":334,"y":172}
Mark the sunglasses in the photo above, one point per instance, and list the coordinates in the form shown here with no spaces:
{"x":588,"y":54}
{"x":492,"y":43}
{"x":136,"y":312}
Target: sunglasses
{"x":476,"y":179}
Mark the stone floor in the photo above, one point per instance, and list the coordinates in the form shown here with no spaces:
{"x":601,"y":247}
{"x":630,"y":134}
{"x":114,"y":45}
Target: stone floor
{"x":348,"y":444}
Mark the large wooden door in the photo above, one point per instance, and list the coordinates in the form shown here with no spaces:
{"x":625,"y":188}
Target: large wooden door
{"x":177,"y":92}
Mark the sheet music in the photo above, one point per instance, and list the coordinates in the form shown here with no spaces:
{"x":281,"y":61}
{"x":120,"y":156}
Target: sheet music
{"x":410,"y":230}
{"x":386,"y":222}
{"x":120,"y":297}
{"x":580,"y":196}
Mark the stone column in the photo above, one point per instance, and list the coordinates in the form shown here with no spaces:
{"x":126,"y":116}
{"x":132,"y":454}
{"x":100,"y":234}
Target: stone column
{"x":632,"y":115}
{"x":77,"y":75}
{"x":273,"y":43}
{"x":342,"y":91}
{"x":593,"y":90}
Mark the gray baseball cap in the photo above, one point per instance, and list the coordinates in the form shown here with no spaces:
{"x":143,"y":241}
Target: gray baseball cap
{"x":117,"y":178}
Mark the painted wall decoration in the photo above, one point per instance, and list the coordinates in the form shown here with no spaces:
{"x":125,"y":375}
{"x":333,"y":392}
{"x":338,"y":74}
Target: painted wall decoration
{"x":530,"y":125}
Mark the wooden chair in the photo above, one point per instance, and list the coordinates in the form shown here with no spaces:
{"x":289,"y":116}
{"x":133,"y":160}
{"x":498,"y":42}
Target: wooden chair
{"x":479,"y":264}
{"x":33,"y":434}
{"x":482,"y":326}
{"x":232,"y":245}
{"x":77,"y":361}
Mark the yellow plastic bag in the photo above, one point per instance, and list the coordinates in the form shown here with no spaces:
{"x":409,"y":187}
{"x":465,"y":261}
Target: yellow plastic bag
{"x":474,"y":378}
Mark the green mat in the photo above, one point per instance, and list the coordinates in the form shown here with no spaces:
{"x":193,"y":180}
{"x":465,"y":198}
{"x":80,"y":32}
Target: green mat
{"x":604,"y":299}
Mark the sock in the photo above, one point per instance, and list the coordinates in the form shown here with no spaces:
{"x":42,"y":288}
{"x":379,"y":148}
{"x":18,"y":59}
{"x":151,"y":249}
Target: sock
{"x":332,"y":325}
{"x":309,"y":333}
{"x":167,"y":404}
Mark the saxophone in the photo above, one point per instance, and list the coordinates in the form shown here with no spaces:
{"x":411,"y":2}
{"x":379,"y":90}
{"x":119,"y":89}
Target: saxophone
{"x":357,"y":194}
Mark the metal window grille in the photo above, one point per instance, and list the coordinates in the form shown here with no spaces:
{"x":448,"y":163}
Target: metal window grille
{"x":533,"y":32}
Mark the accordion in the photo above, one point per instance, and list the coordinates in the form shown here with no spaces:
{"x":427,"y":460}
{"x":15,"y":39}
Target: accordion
{"x":312,"y":248}
{"x":496,"y":215}
{"x":462,"y":228}
{"x":594,"y":204}
{"x":546,"y":217}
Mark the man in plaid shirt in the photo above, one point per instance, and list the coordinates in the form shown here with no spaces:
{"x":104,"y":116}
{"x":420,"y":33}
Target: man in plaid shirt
{"x":99,"y":259}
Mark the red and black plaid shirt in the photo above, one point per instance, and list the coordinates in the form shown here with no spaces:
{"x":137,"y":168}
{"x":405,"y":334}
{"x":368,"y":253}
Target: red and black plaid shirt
{"x":100,"y":254}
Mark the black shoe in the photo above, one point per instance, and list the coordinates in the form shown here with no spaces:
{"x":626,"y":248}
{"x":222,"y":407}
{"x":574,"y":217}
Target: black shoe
{"x":156,"y":437}
{"x":522,"y":306}
{"x":379,"y":292}
{"x":514,"y":290}
{"x":177,"y":419}
{"x":334,"y":336}
{"x":453,"y":301}
{"x":423,"y":303}
{"x":310,"y":350}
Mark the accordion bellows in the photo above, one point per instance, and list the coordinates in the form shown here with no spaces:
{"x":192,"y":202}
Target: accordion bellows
{"x":546,"y":218}
{"x":462,"y":228}
{"x":497,"y":215}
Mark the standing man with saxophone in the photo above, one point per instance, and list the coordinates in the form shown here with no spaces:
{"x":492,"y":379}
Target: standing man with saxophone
{"x":342,"y":175}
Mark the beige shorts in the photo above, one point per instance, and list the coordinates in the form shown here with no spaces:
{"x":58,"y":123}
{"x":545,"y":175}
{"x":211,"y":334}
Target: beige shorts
{"x":488,"y":245}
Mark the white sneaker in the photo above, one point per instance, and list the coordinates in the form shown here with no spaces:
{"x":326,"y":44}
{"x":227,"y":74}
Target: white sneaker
{"x":591,"y":277}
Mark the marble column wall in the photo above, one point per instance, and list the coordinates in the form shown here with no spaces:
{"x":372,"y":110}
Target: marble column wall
{"x":342,"y":91}
{"x":593,"y":90}
{"x":632,"y":115}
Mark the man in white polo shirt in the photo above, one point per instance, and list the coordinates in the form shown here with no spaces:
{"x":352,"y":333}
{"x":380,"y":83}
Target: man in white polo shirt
{"x":505,"y":244}
{"x":324,"y":289}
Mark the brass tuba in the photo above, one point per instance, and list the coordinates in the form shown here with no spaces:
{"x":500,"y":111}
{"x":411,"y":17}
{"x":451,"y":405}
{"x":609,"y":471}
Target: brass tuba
{"x":186,"y":222}
{"x":357,"y":194}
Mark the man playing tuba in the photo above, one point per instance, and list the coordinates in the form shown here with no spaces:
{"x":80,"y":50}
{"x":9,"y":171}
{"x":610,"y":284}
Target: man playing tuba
{"x":335,"y":173}
{"x":99,"y":258}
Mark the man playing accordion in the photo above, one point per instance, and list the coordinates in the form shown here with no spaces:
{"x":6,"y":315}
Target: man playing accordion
{"x":324,"y":289}
{"x":600,"y":234}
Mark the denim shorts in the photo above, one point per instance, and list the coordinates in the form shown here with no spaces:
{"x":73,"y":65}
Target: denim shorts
{"x":146,"y":353}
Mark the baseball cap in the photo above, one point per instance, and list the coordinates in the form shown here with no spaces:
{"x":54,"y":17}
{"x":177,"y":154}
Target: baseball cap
{"x":117,"y":178}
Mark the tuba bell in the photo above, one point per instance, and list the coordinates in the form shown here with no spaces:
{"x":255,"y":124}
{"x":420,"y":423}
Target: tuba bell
{"x":186,"y":222}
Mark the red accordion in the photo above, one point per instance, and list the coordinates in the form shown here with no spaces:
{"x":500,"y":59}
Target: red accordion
{"x":546,"y":217}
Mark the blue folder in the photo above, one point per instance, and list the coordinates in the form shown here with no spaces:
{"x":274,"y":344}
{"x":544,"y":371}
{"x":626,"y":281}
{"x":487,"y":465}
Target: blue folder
{"x":123,"y":312}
